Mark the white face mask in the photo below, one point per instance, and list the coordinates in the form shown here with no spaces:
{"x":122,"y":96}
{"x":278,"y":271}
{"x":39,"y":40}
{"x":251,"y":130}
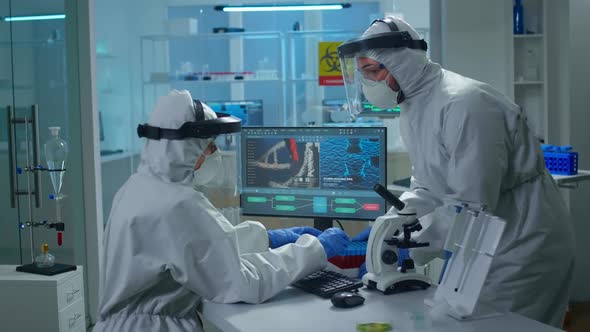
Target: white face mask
{"x":211,"y":167}
{"x":379,"y":94}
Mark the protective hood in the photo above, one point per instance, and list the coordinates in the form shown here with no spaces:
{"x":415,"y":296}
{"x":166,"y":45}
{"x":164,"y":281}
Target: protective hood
{"x":412,"y":68}
{"x":173,"y":161}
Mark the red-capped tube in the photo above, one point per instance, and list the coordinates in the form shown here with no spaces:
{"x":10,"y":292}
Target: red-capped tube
{"x":59,"y":238}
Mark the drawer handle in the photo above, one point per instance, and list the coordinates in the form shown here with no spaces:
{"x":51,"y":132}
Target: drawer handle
{"x":72,"y":294}
{"x":74,"y":319}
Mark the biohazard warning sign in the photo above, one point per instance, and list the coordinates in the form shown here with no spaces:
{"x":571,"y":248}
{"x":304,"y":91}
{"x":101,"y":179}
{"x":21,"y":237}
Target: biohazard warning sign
{"x":329,"y":64}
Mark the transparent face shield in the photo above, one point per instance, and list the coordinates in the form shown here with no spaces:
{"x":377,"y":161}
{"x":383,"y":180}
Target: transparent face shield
{"x":354,"y":78}
{"x":223,"y":190}
{"x":359,"y":71}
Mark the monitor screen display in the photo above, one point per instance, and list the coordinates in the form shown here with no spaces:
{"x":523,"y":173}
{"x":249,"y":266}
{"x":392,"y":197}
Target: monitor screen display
{"x":249,"y":111}
{"x":314,"y":172}
{"x":368,"y":109}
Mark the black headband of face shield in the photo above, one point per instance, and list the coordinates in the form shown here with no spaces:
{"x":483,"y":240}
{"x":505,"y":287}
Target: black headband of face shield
{"x":393,"y":39}
{"x":389,"y":21}
{"x":201,"y":128}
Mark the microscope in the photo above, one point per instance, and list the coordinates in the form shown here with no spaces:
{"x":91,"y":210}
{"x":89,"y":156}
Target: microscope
{"x":386,"y":272}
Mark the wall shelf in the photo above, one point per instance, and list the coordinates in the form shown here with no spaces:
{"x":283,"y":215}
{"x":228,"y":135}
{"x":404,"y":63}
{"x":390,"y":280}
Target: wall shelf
{"x":18,"y":87}
{"x":315,"y":79}
{"x":529,"y":82}
{"x":213,"y":81}
{"x":208,"y":36}
{"x":105,"y":56}
{"x":528,"y":36}
{"x":33,"y":44}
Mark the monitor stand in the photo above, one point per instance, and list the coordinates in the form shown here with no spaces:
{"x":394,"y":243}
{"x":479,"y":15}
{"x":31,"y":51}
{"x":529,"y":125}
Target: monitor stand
{"x":323,"y":223}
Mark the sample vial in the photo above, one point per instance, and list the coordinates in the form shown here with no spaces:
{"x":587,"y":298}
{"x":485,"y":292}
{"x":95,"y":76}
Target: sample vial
{"x":46,"y":259}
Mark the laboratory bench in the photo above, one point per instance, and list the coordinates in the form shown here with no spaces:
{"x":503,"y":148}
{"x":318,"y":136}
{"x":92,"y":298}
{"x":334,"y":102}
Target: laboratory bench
{"x":32,"y":302}
{"x":571,"y":181}
{"x":295,"y":310}
{"x":563,"y":181}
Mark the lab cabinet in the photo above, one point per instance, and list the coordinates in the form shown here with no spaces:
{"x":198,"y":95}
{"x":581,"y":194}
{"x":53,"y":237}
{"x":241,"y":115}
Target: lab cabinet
{"x":529,"y":59}
{"x":32,"y":302}
{"x":278,"y":69}
{"x":217,"y":68}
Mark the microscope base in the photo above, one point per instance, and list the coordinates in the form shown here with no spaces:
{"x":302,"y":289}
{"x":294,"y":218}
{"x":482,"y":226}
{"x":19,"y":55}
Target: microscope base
{"x":400,"y":283}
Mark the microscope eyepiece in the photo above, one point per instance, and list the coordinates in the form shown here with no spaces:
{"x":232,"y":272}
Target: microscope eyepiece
{"x":389,"y":197}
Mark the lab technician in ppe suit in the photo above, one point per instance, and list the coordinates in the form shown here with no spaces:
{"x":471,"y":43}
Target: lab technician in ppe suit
{"x":468,"y":142}
{"x":167,"y":247}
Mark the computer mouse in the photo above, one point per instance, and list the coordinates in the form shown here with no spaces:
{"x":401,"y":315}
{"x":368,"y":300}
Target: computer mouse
{"x":347,"y":300}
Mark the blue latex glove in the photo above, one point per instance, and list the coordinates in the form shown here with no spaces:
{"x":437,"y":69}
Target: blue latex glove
{"x":334,"y":241}
{"x":280,"y":237}
{"x":362,"y":236}
{"x":306,"y":230}
{"x":362,"y":270}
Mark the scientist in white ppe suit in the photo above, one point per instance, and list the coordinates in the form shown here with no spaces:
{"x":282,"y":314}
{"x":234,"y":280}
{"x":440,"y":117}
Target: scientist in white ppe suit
{"x":468,"y":142}
{"x":167,"y":247}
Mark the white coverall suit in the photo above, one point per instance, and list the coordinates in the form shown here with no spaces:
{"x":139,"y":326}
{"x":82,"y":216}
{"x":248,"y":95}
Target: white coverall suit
{"x":466,"y":141}
{"x":167,"y":247}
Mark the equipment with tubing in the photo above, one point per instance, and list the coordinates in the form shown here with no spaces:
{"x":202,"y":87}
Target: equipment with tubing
{"x":471,"y":244}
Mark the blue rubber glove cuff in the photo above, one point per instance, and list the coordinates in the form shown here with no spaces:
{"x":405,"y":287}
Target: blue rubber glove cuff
{"x":334,"y":241}
{"x":362,"y":236}
{"x":362,"y":270}
{"x":305,"y":230}
{"x":280,"y":237}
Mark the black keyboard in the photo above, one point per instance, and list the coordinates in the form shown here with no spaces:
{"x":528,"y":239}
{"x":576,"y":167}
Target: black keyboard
{"x":327,"y":283}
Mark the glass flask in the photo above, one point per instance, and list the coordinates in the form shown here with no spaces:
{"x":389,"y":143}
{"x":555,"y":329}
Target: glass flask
{"x":56,"y":153}
{"x":45,"y":259}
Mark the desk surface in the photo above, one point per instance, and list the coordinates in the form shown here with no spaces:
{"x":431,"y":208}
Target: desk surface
{"x":582,"y":175}
{"x":8,"y":274}
{"x":295,"y":310}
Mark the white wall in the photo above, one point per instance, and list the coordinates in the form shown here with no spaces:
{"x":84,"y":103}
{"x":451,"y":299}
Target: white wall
{"x":579,"y":136}
{"x":415,"y":12}
{"x":476,"y":37}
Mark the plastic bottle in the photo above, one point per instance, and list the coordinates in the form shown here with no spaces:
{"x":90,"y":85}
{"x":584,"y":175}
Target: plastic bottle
{"x":518,"y":17}
{"x":56,"y":153}
{"x":46,"y":259}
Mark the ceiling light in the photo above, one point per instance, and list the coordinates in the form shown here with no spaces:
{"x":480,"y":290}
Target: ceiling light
{"x":275,"y":8}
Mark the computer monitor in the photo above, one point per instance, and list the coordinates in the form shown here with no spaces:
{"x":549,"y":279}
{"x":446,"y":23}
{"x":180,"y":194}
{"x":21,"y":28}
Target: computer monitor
{"x":249,"y":111}
{"x":313,"y":172}
{"x":368,"y":109}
